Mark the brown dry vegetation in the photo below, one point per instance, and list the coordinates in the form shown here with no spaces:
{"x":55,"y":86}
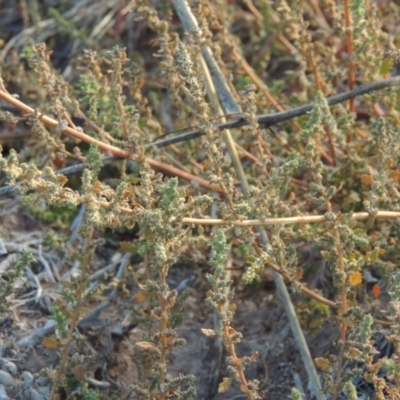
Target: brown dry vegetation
{"x":190,"y":192}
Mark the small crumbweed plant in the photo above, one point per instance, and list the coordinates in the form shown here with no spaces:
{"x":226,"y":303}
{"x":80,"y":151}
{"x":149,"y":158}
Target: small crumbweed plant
{"x":289,"y":139}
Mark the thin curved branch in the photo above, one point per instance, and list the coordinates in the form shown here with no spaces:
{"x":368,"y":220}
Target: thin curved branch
{"x":264,"y":119}
{"x":115,"y":151}
{"x":308,"y":292}
{"x":308,"y":219}
{"x":272,"y":119}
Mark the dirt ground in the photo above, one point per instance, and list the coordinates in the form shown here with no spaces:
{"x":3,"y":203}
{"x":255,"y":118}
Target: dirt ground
{"x":112,"y":335}
{"x":111,"y":326}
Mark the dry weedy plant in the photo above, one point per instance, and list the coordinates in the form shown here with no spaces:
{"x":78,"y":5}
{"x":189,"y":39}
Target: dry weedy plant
{"x":290,"y":121}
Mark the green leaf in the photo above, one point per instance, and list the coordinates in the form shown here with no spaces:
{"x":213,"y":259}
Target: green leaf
{"x":386,"y":66}
{"x":128,"y":247}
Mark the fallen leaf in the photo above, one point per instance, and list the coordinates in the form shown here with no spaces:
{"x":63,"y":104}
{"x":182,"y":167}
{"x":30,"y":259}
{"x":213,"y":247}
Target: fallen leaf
{"x":224,"y":385}
{"x":395,"y":175}
{"x":208,"y":332}
{"x":322,"y":363}
{"x":376,"y":290}
{"x":367,"y":179}
{"x":146,"y":345}
{"x":79,"y":372}
{"x":254,"y":357}
{"x":231,"y":331}
{"x":51,"y":343}
{"x":139,"y":297}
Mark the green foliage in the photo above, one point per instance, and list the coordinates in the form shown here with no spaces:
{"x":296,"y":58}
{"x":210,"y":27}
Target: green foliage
{"x":332,"y":162}
{"x":61,"y":317}
{"x":91,"y":394}
{"x":9,"y":278}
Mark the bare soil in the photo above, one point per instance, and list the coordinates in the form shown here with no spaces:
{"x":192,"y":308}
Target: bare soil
{"x":111,"y":336}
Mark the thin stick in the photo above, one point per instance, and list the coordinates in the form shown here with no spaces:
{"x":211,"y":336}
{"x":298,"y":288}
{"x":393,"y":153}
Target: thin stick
{"x":272,"y":119}
{"x":308,"y":219}
{"x":263,"y":119}
{"x":106,"y":147}
{"x":190,"y":24}
{"x":349,"y":42}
